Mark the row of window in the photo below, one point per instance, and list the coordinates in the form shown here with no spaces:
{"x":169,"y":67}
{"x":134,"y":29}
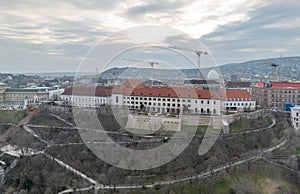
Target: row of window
{"x":96,"y":100}
{"x":240,"y":104}
{"x":165,"y":99}
{"x":176,"y":110}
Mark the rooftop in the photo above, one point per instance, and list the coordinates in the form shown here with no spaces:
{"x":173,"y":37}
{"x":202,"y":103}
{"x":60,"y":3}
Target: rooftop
{"x":88,"y":91}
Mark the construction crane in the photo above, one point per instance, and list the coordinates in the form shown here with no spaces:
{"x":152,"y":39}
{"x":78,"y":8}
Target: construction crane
{"x":152,"y":63}
{"x":198,"y":53}
{"x":274,"y":69}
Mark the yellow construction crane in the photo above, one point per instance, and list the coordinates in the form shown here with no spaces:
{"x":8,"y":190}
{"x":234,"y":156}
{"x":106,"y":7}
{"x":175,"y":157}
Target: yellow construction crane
{"x":274,"y":65}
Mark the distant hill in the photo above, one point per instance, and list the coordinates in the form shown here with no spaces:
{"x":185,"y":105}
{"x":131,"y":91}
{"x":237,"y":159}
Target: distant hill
{"x":289,"y":69}
{"x":255,"y":70}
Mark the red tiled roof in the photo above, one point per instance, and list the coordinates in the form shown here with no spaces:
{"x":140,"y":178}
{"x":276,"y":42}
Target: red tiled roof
{"x":89,"y":91}
{"x":175,"y":92}
{"x":180,"y":92}
{"x":236,"y":95}
{"x":285,"y":85}
{"x":259,"y":84}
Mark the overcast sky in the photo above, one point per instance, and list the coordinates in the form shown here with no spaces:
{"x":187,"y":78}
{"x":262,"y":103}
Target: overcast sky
{"x":41,"y":36}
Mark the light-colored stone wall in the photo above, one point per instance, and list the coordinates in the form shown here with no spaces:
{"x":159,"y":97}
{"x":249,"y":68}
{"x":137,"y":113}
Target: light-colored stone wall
{"x":153,"y":123}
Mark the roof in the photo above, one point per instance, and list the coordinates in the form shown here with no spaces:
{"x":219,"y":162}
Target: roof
{"x":182,"y":92}
{"x":200,"y":82}
{"x":88,"y":91}
{"x":295,"y":108}
{"x":175,"y":92}
{"x":259,"y":84}
{"x":238,"y":84}
{"x":236,"y":95}
{"x":3,"y":84}
{"x":29,"y":89}
{"x":285,"y":84}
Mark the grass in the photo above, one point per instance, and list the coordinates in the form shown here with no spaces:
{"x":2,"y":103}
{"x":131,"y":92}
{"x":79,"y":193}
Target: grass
{"x":247,"y":124}
{"x":297,"y":150}
{"x":11,"y":116}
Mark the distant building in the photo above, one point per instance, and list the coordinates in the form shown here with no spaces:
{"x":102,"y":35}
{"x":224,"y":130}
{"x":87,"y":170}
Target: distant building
{"x":202,"y":83}
{"x":81,"y":96}
{"x":295,"y":117}
{"x":234,"y":78}
{"x":239,"y":86}
{"x":276,"y":94}
{"x":32,"y":95}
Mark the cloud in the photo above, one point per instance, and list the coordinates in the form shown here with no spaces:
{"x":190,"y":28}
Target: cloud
{"x":264,"y":34}
{"x":59,"y":33}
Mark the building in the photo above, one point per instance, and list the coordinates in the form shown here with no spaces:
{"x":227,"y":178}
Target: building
{"x":238,"y":100}
{"x":31,"y":95}
{"x":295,"y":117}
{"x":238,"y":86}
{"x":3,"y":88}
{"x":192,"y":100}
{"x":87,"y":96}
{"x":276,"y":94}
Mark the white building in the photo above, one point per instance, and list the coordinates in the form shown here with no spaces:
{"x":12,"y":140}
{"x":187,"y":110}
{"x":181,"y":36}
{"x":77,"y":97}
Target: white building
{"x":238,"y":101}
{"x":191,"y":100}
{"x":295,"y":117}
{"x":87,"y":96}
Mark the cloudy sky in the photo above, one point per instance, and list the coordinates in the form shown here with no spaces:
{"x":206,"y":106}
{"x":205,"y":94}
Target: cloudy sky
{"x":41,"y":36}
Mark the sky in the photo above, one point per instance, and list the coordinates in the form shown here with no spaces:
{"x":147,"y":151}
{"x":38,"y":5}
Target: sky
{"x":72,"y":35}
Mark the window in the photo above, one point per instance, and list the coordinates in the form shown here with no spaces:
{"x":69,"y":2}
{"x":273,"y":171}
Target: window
{"x":117,"y":99}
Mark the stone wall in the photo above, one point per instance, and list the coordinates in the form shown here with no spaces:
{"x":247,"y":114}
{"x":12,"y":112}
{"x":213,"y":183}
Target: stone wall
{"x":153,"y":123}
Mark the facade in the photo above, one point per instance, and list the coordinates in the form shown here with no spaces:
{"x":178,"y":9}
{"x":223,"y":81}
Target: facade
{"x":21,"y":96}
{"x":277,"y":94}
{"x":238,"y":100}
{"x":87,"y":96}
{"x":191,"y":100}
{"x":295,"y":117}
{"x":238,"y":86}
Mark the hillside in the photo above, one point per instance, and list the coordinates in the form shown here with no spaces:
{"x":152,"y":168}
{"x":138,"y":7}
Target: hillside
{"x":256,"y":70}
{"x":289,"y":69}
